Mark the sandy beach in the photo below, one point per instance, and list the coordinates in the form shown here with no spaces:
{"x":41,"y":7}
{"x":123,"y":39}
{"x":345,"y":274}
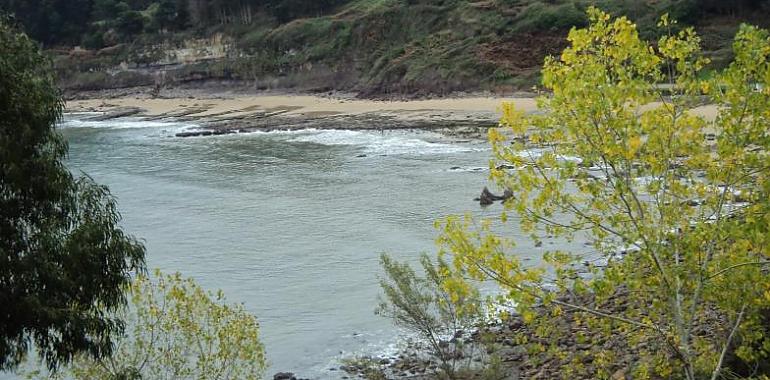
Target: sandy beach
{"x":298,"y":104}
{"x":232,"y":113}
{"x":308,"y":105}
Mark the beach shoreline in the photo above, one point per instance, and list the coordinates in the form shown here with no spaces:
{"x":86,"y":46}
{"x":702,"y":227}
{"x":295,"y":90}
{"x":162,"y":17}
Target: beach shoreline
{"x":233,"y":112}
{"x":225,"y":112}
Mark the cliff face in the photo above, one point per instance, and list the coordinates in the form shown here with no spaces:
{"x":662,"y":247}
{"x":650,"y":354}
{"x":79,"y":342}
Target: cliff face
{"x":377,"y":48}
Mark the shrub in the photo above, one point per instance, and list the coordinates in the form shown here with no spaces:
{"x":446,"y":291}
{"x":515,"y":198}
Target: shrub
{"x":438,"y":308}
{"x":178,"y":330}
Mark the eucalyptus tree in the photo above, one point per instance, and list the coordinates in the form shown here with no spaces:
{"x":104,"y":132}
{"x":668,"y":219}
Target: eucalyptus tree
{"x":64,"y":260}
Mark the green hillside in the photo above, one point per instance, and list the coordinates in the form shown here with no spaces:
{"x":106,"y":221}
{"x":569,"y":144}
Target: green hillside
{"x":374,"y":47}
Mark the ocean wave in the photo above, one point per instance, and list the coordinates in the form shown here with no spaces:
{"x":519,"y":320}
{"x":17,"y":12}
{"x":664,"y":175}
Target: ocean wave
{"x":378,"y":143}
{"x":536,"y":153}
{"x":123,"y":124}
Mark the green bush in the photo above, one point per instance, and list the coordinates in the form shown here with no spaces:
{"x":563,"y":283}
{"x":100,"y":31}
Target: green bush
{"x":541,"y":16}
{"x":94,"y":40}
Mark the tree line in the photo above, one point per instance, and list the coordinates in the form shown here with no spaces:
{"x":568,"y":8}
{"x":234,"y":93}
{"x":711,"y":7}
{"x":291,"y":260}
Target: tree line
{"x":95,"y":23}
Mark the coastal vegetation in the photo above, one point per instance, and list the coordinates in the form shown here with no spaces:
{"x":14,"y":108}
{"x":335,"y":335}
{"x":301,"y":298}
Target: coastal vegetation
{"x":376,"y":48}
{"x":670,"y":278}
{"x":425,"y":307}
{"x":64,"y":260}
{"x":177,"y":330}
{"x":673,"y":206}
{"x":73,"y":286}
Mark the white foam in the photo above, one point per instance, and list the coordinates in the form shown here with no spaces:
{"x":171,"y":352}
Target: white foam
{"x":536,"y":153}
{"x":123,"y":124}
{"x":378,"y":144}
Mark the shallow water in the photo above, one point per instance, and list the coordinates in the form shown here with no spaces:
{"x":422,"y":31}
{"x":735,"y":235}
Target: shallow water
{"x":291,"y":224}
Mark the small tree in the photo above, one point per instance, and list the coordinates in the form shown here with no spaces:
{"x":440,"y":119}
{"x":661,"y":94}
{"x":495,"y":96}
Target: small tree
{"x":427,"y":307}
{"x":176,"y":330}
{"x":628,"y":163}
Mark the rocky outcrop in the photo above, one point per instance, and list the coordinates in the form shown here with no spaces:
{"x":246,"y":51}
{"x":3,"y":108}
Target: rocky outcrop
{"x":487,"y":197}
{"x":284,"y":376}
{"x":206,"y":133}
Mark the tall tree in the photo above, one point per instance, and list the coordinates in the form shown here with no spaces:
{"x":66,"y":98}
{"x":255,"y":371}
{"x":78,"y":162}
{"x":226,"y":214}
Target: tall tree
{"x":64,"y":262}
{"x":104,"y":10}
{"x":165,"y":15}
{"x":675,"y":205}
{"x":130,"y":23}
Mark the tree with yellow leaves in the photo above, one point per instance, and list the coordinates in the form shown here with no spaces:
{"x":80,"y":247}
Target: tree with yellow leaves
{"x":623,"y":156}
{"x":177,"y":330}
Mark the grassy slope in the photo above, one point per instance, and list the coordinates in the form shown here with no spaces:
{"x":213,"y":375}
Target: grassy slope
{"x":412,"y":47}
{"x":416,"y":49}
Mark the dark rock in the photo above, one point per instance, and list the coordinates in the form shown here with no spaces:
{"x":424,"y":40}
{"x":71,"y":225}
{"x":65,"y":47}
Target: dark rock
{"x":207,"y":132}
{"x":284,"y":376}
{"x":487,"y":198}
{"x":514,"y":357}
{"x":583,"y":346}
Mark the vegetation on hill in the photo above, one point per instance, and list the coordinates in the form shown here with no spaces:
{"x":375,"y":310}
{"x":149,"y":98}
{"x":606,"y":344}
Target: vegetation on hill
{"x":376,"y":47}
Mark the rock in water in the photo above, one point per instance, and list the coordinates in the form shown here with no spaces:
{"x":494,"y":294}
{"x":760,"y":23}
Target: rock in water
{"x":284,"y":376}
{"x":486,"y":198}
